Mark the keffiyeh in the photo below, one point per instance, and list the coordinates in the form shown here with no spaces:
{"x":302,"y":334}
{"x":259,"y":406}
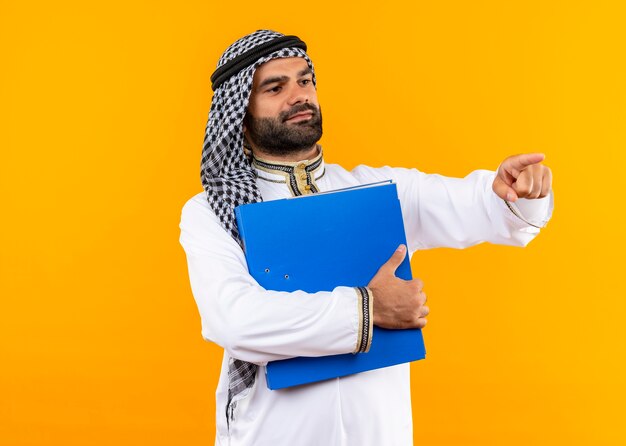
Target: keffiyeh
{"x":226,"y":172}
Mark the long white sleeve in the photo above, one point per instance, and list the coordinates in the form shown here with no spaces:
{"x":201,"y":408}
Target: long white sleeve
{"x":250,"y":323}
{"x":450,"y":212}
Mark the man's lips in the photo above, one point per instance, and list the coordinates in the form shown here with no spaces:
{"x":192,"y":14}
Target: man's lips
{"x":302,"y":116}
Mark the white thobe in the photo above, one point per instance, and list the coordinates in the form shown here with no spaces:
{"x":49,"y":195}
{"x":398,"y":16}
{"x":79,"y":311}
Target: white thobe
{"x":256,"y":325}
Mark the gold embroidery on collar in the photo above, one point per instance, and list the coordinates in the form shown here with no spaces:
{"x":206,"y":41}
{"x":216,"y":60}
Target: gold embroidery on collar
{"x":300,"y":176}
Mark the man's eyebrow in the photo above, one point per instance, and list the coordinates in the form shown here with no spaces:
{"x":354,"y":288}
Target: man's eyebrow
{"x":273,"y":80}
{"x":276,"y":79}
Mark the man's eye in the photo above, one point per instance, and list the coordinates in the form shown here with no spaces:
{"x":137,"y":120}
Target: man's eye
{"x":275,"y":89}
{"x":306,"y":81}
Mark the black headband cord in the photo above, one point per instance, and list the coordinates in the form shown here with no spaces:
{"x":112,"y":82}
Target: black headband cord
{"x":234,"y":66}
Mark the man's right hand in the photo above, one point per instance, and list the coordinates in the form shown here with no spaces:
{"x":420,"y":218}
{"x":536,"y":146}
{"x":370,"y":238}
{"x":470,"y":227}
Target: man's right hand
{"x":398,"y":303}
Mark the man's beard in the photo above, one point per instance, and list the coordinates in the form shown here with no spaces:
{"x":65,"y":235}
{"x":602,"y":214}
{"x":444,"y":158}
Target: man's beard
{"x":276,"y":137}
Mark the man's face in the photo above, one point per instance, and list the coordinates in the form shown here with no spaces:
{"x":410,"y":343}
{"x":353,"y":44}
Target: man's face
{"x":283,"y":116}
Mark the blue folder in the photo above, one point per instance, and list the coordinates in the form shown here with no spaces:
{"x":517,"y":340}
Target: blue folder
{"x":343,"y":237}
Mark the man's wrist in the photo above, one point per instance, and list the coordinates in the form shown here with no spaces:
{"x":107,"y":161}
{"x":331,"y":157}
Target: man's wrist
{"x":534,"y":212}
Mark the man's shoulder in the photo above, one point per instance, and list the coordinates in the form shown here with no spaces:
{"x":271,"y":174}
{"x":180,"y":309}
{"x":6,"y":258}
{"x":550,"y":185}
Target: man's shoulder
{"x":197,"y":207}
{"x":197,"y":200}
{"x":368,"y":174}
{"x":341,"y":170}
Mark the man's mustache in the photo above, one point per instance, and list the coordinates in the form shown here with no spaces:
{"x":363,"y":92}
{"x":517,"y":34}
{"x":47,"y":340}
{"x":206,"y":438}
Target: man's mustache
{"x":299,"y":108}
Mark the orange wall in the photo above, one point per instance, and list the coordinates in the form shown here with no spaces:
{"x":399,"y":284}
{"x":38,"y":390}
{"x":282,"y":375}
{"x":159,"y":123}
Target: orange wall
{"x":103,"y":112}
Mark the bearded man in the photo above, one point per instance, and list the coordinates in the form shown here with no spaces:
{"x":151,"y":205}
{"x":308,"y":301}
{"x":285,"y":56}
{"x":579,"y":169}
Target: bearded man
{"x":261,"y":144}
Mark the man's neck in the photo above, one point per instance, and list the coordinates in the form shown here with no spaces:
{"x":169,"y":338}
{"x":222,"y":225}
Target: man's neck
{"x":305,"y":154}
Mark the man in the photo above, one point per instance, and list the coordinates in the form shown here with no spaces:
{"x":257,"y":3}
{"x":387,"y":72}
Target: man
{"x":265,"y":99}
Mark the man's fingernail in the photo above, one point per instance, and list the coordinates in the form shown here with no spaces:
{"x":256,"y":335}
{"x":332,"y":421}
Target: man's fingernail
{"x":510,"y":196}
{"x":401,"y":248}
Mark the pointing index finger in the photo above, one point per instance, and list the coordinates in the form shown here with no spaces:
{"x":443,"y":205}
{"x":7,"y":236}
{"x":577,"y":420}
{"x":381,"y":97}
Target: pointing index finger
{"x":519,"y":162}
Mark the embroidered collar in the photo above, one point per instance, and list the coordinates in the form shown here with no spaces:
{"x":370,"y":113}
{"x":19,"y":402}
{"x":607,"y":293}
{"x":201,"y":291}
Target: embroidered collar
{"x":300,"y":176}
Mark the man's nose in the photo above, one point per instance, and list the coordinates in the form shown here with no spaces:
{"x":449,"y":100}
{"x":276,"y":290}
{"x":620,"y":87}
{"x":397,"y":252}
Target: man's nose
{"x":297,"y":95}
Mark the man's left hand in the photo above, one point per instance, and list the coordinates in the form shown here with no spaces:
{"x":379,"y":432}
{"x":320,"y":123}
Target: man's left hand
{"x":523,"y":176}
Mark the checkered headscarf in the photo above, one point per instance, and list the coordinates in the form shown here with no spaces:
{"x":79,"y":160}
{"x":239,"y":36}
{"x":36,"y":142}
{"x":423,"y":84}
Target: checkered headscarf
{"x":227,"y":174}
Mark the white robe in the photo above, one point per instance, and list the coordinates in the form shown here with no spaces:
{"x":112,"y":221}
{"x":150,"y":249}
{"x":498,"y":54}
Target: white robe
{"x":255,"y":325}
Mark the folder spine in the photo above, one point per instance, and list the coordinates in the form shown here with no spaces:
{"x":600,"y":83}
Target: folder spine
{"x":240,"y":226}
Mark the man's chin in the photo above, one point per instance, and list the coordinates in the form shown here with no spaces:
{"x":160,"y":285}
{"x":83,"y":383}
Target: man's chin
{"x":284,"y":151}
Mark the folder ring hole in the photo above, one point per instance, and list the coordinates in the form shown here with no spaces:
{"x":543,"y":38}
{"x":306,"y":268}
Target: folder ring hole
{"x":286,"y":276}
{"x":267,"y":270}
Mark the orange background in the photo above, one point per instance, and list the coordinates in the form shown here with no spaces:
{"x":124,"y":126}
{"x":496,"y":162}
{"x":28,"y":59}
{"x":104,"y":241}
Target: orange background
{"x":103,"y":114}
